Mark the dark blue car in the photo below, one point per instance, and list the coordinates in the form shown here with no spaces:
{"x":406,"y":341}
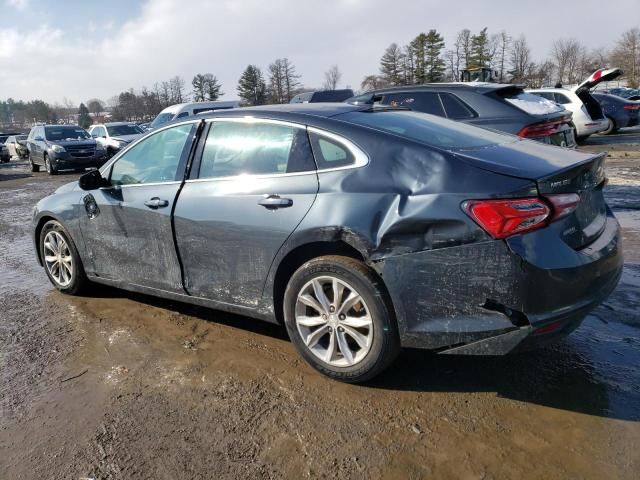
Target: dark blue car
{"x":63,"y":147}
{"x":619,"y":111}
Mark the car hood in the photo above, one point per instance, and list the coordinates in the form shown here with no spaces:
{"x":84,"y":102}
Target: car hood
{"x":523,"y":159}
{"x":601,"y":75}
{"x":67,"y":187}
{"x":127,"y":138}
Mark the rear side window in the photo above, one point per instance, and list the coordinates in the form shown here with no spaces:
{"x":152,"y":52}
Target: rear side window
{"x":455,"y":108}
{"x":330,"y":153}
{"x":426,"y":102}
{"x":254,"y":148}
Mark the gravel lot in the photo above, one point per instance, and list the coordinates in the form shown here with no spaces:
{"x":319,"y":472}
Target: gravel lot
{"x":118,"y":386}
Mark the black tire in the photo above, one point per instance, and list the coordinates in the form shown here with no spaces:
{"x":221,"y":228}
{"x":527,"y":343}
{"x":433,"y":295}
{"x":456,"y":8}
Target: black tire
{"x":34,"y":167}
{"x":51,"y":170}
{"x":611,"y":127}
{"x":385,"y":344}
{"x":79,"y":281}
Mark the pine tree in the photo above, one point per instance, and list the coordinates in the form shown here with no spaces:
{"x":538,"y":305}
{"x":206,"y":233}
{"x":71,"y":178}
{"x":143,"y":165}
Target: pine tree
{"x":418,"y":50}
{"x":391,"y":65}
{"x":84,"y":119}
{"x":251,"y":86}
{"x":479,"y":55}
{"x":434,"y":64}
{"x":198,"y":84}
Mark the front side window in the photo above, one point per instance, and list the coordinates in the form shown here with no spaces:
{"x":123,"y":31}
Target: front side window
{"x":155,"y":159}
{"x":161,"y":118}
{"x":254,"y":148}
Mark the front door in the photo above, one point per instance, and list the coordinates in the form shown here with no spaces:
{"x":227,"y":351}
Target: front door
{"x":127,"y":226}
{"x":256,"y":183}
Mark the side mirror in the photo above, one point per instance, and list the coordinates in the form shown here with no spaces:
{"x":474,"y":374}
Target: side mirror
{"x":93,"y":180}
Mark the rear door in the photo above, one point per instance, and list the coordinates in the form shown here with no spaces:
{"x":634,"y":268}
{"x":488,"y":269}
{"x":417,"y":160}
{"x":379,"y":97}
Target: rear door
{"x":254,"y":183}
{"x":127,"y":227}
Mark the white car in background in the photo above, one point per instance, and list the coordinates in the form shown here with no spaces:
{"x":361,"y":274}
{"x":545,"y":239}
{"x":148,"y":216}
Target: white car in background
{"x":115,"y":136}
{"x":588,"y":117}
{"x":181,"y":110}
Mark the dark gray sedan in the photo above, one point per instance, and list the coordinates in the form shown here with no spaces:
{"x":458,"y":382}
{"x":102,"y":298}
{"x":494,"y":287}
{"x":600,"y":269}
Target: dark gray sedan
{"x":361,"y":229}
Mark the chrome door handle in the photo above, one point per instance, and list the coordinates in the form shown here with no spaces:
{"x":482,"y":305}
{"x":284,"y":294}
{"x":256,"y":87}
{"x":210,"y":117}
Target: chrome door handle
{"x":273,"y":202}
{"x":155,"y":202}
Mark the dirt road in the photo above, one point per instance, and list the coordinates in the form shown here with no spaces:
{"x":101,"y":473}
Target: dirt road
{"x":118,"y":385}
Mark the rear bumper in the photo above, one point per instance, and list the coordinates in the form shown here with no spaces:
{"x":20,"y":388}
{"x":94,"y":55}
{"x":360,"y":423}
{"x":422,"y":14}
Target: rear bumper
{"x":593,"y":126}
{"x":497,"y":297}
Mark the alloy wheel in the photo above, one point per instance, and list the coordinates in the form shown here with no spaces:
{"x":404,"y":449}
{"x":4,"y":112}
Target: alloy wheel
{"x":334,"y":321}
{"x":58,"y":258}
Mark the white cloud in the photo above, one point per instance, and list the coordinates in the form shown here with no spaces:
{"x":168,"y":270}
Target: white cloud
{"x":18,"y":4}
{"x":178,"y":37}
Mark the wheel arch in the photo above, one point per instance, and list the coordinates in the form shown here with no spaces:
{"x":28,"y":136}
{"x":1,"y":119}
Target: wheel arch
{"x":38,"y":230}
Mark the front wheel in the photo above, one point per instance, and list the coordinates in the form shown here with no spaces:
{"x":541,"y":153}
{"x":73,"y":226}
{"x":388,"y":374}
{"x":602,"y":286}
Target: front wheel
{"x":51,"y":170}
{"x":61,"y":260}
{"x":338,"y":318}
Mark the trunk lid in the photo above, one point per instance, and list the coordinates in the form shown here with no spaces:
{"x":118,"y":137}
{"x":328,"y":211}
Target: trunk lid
{"x":601,"y":75}
{"x":555,"y":171}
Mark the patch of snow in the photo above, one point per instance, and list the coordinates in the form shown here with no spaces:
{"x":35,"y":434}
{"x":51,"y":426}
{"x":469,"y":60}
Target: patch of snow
{"x":534,"y":104}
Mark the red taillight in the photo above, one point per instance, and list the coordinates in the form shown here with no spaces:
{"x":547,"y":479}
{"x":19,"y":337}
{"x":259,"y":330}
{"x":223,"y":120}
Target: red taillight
{"x":631,"y":106}
{"x":503,"y":218}
{"x":563,"y":204}
{"x":539,"y":130}
{"x":506,"y":217}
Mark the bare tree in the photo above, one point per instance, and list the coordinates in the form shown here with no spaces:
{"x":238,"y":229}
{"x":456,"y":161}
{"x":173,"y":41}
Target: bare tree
{"x":626,"y":54}
{"x":567,"y":54}
{"x":176,"y":90}
{"x":283,"y":80}
{"x":372,"y":82}
{"x":332,"y":77}
{"x":520,"y":59}
{"x":502,"y":44}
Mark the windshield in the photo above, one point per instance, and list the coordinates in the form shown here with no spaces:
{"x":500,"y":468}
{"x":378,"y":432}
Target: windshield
{"x":117,"y":130}
{"x":161,"y":118}
{"x":533,"y":104}
{"x":428,"y":129}
{"x":55,"y":134}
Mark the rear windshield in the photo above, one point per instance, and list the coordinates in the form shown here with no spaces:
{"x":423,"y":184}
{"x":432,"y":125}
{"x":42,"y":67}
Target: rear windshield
{"x":56,"y":134}
{"x":532,"y":104}
{"x":428,"y":129}
{"x":162,"y":118}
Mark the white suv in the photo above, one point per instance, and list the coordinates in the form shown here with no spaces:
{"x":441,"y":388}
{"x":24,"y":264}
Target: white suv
{"x":588,"y":117}
{"x":115,"y":136}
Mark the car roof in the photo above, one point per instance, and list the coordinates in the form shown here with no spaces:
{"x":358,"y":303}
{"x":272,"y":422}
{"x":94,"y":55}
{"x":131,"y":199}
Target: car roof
{"x":482,"y":87}
{"x":323,"y":110}
{"x":114,"y":124}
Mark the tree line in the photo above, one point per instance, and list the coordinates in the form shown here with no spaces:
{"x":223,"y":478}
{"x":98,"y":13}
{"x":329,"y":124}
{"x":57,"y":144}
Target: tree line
{"x":426,"y":58}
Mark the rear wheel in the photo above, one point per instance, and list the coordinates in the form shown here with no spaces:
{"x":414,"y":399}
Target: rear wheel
{"x":611,"y":127}
{"x":51,"y":170}
{"x":339,"y":319}
{"x":61,"y":260}
{"x":34,"y":167}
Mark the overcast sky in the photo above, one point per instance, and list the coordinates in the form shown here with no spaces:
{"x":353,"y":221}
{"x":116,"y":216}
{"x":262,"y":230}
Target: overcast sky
{"x":81,"y":49}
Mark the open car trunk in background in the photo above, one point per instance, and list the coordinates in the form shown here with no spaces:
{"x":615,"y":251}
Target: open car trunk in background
{"x":583,"y":90}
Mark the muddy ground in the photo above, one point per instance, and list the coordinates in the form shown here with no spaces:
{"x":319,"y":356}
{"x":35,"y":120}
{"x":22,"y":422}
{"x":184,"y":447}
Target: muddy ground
{"x":118,"y":385}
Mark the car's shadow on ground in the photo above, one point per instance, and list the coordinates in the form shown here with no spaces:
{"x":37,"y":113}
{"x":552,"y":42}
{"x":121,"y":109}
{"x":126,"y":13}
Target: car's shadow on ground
{"x":557,"y":376}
